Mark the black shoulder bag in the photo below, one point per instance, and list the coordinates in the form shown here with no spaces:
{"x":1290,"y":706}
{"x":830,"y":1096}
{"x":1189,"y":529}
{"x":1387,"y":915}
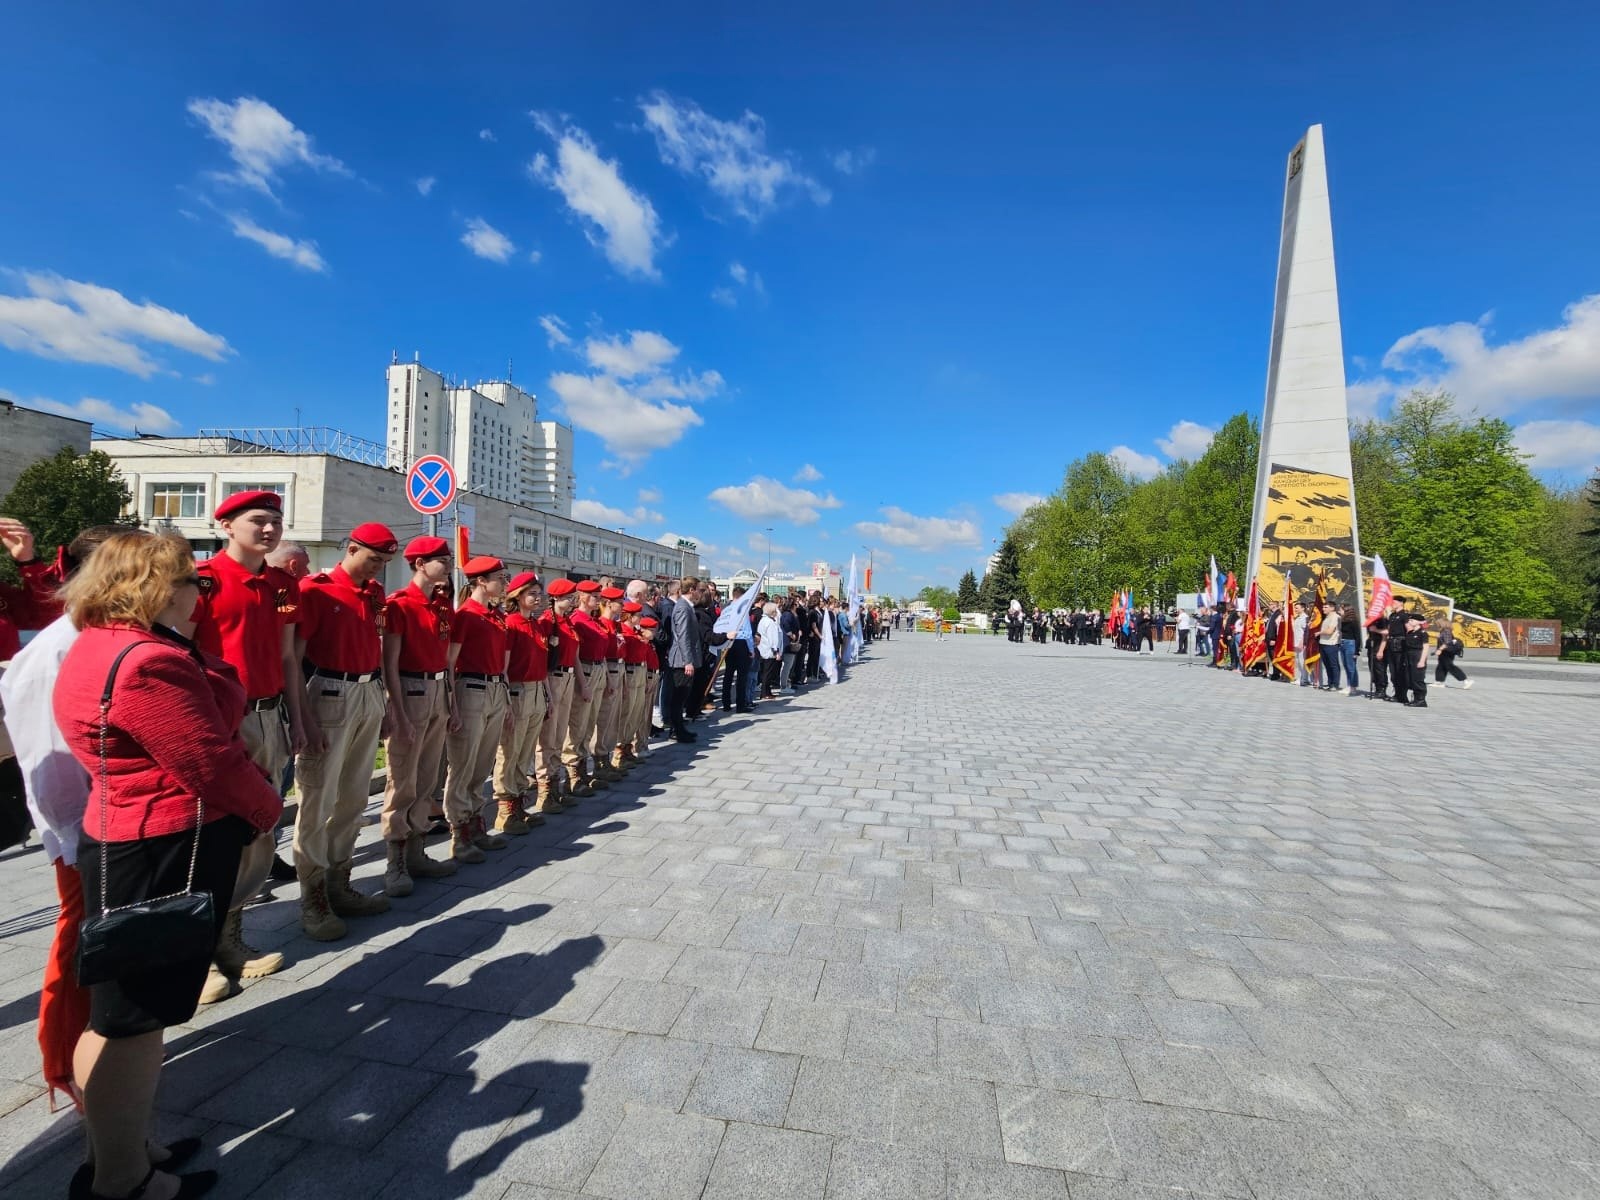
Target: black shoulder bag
{"x":147,"y":934}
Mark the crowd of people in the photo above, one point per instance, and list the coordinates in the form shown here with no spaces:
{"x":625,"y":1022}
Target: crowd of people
{"x":165,"y":708}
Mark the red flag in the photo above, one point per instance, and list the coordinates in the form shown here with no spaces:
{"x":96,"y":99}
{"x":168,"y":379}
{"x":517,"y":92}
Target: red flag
{"x":1382,"y":590}
{"x":1231,"y":588}
{"x":1253,"y":648}
{"x":1283,"y":652}
{"x":463,"y":541}
{"x":1312,"y":648}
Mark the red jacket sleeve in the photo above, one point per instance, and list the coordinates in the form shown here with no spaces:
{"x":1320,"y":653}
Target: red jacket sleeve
{"x":164,"y":702}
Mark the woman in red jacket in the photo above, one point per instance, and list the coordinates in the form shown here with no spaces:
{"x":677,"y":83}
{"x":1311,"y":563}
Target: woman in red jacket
{"x":171,"y":738}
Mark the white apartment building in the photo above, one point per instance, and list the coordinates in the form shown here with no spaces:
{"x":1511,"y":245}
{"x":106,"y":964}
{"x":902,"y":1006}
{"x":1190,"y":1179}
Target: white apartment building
{"x":331,"y":482}
{"x":490,"y":432}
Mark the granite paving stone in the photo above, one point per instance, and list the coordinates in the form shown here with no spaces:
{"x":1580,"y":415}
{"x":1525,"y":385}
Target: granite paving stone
{"x":944,"y":930}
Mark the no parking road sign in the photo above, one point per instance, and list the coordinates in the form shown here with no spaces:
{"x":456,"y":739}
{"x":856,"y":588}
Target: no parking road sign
{"x":431,"y":485}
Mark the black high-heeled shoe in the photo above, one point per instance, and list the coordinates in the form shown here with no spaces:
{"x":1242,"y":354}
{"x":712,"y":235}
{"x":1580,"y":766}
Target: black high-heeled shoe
{"x":178,"y":1153}
{"x":190,"y":1187}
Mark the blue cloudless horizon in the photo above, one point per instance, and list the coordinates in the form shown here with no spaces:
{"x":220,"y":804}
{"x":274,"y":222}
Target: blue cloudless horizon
{"x":994,"y":239}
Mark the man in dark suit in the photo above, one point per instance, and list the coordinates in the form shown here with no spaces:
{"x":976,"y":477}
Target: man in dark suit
{"x":685,"y":656}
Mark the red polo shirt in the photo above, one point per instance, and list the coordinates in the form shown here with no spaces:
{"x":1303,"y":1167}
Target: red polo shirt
{"x":594,"y":638}
{"x":652,"y":660}
{"x":241,"y":617}
{"x":482,"y":635}
{"x":530,"y":657}
{"x":614,"y":629}
{"x":561,"y":639}
{"x":632,"y":647}
{"x":341,"y":622}
{"x":425,"y":627}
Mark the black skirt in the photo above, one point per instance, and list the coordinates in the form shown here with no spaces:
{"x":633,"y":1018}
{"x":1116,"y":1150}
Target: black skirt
{"x":159,"y":866}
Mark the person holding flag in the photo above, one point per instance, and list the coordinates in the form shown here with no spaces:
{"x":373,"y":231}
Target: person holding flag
{"x":1253,"y":650}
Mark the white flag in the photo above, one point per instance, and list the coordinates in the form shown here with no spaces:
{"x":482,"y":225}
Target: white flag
{"x":728,"y":620}
{"x":826,"y":658}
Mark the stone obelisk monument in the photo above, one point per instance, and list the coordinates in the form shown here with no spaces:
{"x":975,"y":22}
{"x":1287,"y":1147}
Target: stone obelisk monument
{"x":1303,"y":524}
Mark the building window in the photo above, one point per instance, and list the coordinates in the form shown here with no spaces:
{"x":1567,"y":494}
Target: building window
{"x":586,"y":551}
{"x":281,"y":490}
{"x":172,"y":501}
{"x":608,"y":556}
{"x":650,"y":564}
{"x":524,"y":540}
{"x":630,"y":560}
{"x":560,"y":545}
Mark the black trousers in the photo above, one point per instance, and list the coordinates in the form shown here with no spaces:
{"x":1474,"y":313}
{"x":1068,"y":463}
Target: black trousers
{"x":1378,"y":672}
{"x":1399,"y":671}
{"x":736,"y":674}
{"x":1446,"y":667}
{"x":1183,"y":641}
{"x":676,"y":691}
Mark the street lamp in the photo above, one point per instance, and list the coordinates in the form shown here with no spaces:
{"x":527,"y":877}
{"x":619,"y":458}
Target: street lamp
{"x":769,"y":549}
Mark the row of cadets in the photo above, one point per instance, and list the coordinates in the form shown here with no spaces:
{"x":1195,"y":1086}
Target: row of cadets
{"x":338,"y":642}
{"x":479,"y":657}
{"x":419,"y":628}
{"x":246,"y":616}
{"x":589,"y":686}
{"x":608,"y":720}
{"x":527,"y":672}
{"x":561,"y":639}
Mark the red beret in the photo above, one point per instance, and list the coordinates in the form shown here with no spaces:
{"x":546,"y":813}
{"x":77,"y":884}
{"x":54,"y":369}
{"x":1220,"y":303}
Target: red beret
{"x":632,"y":606}
{"x":375,"y":537}
{"x":426,"y":547}
{"x":588,"y":585}
{"x":484,"y":564}
{"x":647,"y":623}
{"x":526,"y":580}
{"x":244,"y":501}
{"x":560,"y":587}
{"x":612,"y":593}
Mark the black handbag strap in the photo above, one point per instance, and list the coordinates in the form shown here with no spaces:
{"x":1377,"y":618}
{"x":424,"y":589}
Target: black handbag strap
{"x":105,"y":721}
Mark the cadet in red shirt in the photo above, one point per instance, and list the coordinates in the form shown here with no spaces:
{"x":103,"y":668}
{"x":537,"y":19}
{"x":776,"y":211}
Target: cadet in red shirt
{"x":608,"y":715}
{"x":555,"y":626}
{"x":589,"y":686}
{"x":648,"y":627}
{"x":338,"y":641}
{"x":418,"y":627}
{"x":528,"y":666}
{"x":478,"y":659}
{"x":633,"y":687}
{"x":246,"y":617}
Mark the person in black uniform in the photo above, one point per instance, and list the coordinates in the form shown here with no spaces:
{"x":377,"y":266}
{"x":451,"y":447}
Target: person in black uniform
{"x":1377,"y":663}
{"x":1394,"y":654}
{"x":1416,"y":654}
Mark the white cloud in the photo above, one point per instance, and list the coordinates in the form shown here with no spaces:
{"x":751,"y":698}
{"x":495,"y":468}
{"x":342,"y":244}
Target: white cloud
{"x":1140,"y":466}
{"x":744,"y":279}
{"x":644,"y":353}
{"x":1561,"y":445}
{"x":1186,"y":439}
{"x":535,"y":257}
{"x":807,"y":474}
{"x":622,"y":222}
{"x":303,"y":254}
{"x":83,"y":322}
{"x":555,"y":330}
{"x":206,"y":380}
{"x":1017,"y":503}
{"x":758,"y":543}
{"x":850,"y":162}
{"x":484,"y":240}
{"x":593,"y":512}
{"x":763,"y":497}
{"x":649,"y":495}
{"x":487,"y":135}
{"x":670,"y":541}
{"x":630,"y":424}
{"x":261,"y":141}
{"x":731,"y":156}
{"x":900,"y":528}
{"x":1560,"y":364}
{"x":425,"y":184}
{"x":146,"y":418}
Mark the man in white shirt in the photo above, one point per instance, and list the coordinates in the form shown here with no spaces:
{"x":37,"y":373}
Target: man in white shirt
{"x":1185,"y":624}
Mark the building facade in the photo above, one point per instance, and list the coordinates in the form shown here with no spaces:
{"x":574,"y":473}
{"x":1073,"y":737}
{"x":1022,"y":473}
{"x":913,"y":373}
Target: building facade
{"x":490,"y":432}
{"x":178,"y":482}
{"x":27,"y":435}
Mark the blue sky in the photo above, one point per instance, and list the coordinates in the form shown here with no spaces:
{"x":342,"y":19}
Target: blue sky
{"x":867,"y":276}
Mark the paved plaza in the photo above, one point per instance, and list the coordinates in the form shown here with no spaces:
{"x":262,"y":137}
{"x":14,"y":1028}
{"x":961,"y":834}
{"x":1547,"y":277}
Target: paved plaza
{"x":987,"y":920}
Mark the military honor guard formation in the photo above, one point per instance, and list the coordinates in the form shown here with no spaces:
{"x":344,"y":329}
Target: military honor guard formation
{"x":166,"y":707}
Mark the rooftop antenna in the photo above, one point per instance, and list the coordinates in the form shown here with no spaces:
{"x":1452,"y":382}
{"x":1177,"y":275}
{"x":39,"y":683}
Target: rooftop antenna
{"x":508,"y":368}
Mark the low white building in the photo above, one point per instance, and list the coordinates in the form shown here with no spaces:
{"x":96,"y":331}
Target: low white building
{"x":331,"y":482}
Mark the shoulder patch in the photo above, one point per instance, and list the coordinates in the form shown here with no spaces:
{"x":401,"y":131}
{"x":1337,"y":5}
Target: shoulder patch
{"x":207,"y":584}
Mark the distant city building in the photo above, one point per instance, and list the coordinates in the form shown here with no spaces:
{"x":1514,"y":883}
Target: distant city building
{"x":330,"y":483}
{"x":29,"y":435}
{"x":490,"y":432}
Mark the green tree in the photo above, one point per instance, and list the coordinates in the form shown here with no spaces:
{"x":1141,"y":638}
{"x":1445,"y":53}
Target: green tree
{"x":967,"y":593}
{"x":1218,"y":502}
{"x":1002,"y":582}
{"x":1074,"y":549}
{"x":1465,"y":513}
{"x":937,"y":597}
{"x":60,"y":496}
{"x":1562,"y":545}
{"x":1591,"y":540}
